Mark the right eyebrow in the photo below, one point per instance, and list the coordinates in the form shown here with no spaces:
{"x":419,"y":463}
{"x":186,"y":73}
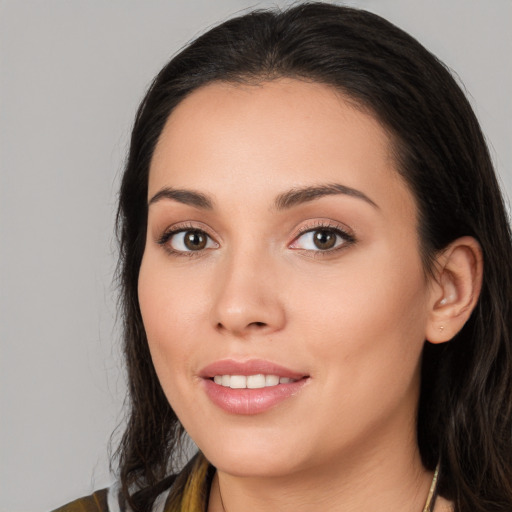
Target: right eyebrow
{"x":297,"y":196}
{"x":183,"y":196}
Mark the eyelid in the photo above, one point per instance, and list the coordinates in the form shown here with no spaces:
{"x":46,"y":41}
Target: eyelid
{"x":341,"y":230}
{"x":325,"y":224}
{"x":180,"y":227}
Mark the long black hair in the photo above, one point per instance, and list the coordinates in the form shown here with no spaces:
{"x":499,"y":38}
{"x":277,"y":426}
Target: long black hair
{"x":465,"y":409}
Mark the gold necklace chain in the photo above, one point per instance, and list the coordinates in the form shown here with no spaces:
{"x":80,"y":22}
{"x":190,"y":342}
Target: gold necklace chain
{"x":431,"y":492}
{"x":426,"y":508}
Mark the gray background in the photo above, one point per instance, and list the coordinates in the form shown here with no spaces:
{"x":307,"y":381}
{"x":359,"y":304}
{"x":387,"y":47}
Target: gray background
{"x":71,"y":76}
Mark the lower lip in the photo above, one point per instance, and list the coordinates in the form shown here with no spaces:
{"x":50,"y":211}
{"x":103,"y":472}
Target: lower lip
{"x":251,"y":401}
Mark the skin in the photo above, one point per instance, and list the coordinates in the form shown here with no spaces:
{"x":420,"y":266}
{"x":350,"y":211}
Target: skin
{"x":353,"y":319}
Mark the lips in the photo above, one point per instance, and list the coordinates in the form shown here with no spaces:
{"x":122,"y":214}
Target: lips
{"x":250,"y":367}
{"x":250,"y":387}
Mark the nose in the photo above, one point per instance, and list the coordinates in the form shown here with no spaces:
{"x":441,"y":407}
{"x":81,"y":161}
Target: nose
{"x":247,"y":297}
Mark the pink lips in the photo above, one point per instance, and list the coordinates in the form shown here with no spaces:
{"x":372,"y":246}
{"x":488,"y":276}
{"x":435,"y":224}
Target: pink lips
{"x":250,"y":401}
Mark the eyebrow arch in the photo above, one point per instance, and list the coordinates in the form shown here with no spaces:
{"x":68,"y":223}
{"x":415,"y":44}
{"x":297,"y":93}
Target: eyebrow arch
{"x":301,"y":195}
{"x":189,"y":197}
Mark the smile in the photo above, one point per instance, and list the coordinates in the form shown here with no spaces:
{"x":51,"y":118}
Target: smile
{"x":256,"y":381}
{"x":251,"y":387}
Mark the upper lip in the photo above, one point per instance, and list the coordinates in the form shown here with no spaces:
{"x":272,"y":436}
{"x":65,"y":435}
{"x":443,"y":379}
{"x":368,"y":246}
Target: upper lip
{"x":249,"y":367}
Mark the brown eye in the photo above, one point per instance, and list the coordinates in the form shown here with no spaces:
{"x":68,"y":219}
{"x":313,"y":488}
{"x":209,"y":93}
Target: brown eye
{"x":195,"y":240}
{"x":324,"y":239}
{"x":189,"y":240}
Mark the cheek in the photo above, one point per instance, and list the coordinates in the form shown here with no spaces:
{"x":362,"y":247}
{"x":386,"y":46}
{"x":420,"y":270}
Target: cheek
{"x":365,"y":295}
{"x":171,"y":309}
{"x":365,"y":337}
{"x":369,"y":321}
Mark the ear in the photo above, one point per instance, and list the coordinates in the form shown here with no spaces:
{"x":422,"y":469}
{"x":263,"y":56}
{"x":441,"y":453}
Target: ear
{"x":455,"y":288}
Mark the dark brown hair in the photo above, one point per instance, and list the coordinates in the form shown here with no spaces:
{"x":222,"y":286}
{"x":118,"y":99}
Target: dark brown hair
{"x":464,"y":418}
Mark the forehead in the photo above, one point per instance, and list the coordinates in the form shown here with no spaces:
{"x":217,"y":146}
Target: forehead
{"x":279,"y":134}
{"x":277,"y":112}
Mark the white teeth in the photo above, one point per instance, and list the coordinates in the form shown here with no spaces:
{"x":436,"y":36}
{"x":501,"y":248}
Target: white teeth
{"x":256,"y":381}
{"x":271,"y":380}
{"x":237,"y":381}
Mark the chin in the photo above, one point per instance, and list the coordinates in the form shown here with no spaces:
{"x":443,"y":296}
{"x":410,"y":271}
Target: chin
{"x":254,"y":454}
{"x":260,"y":465}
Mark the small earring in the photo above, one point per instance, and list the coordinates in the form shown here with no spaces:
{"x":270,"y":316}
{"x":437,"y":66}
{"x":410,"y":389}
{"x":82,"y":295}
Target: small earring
{"x":441,"y":328}
{"x":443,"y":301}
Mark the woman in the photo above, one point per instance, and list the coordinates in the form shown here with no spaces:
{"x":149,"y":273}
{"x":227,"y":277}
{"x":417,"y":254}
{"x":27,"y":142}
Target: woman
{"x":316,"y":276}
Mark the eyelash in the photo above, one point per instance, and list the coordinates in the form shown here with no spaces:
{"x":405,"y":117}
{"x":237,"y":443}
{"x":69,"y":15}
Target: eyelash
{"x":182,"y":228}
{"x":348,"y":238}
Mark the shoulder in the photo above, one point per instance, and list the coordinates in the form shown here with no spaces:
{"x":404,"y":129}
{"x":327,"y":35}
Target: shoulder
{"x":108,"y":500}
{"x":187,"y":490}
{"x":96,"y":502}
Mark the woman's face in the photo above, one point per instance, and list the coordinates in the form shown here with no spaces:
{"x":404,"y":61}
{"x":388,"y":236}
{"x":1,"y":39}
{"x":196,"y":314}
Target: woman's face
{"x":282,"y":244}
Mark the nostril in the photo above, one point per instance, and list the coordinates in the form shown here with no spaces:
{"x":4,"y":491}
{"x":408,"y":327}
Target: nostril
{"x":252,"y":325}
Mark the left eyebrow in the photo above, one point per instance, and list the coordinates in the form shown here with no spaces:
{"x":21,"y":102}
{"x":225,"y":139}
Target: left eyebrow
{"x":302,"y":195}
{"x":189,"y":197}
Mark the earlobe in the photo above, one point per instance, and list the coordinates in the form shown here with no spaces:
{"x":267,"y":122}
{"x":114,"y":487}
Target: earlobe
{"x":455,"y":290}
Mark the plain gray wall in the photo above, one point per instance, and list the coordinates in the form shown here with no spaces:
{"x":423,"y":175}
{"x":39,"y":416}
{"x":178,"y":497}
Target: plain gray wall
{"x":71,"y":75}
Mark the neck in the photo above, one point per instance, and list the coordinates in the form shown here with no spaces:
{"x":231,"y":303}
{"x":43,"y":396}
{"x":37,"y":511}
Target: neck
{"x":396,"y":483}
